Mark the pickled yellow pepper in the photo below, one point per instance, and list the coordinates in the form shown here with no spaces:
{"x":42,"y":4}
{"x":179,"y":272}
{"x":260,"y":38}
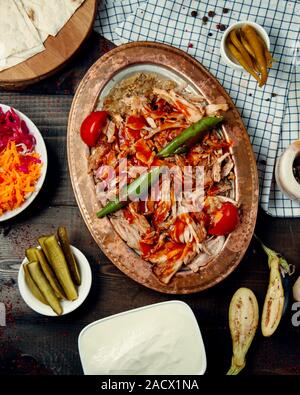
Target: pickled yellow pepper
{"x":239,"y":46}
{"x":238,"y":56}
{"x":259,"y":51}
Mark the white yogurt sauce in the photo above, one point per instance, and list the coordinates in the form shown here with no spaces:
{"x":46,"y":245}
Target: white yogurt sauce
{"x":158,"y":339}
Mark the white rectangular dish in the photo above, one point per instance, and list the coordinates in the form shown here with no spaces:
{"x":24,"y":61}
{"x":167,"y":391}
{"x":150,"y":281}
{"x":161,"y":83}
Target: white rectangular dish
{"x":159,"y":339}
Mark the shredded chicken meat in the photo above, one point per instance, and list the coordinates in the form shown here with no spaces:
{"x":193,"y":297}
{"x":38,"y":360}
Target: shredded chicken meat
{"x":146,"y":113}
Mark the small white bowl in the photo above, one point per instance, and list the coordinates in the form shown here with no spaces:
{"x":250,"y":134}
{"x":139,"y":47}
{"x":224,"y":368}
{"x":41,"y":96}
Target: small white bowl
{"x":226,"y":56}
{"x":67,"y":306}
{"x":40,"y":148}
{"x":284,"y":175}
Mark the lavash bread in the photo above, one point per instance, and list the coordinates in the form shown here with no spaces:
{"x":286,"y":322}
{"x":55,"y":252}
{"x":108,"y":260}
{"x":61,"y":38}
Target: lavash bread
{"x":19,"y":38}
{"x":26,"y":24}
{"x":50,"y":15}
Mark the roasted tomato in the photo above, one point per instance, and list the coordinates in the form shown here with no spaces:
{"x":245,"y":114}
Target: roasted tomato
{"x":224,"y":221}
{"x":92,"y":127}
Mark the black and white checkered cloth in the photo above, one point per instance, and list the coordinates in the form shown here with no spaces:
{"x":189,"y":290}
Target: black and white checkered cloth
{"x":270,"y":114}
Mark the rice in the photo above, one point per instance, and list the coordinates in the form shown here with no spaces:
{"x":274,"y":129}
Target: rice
{"x":139,"y":85}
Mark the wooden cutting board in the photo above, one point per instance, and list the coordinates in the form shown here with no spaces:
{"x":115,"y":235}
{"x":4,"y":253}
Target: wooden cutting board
{"x":58,"y":51}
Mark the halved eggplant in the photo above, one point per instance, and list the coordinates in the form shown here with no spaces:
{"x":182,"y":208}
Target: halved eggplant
{"x":243,"y":322}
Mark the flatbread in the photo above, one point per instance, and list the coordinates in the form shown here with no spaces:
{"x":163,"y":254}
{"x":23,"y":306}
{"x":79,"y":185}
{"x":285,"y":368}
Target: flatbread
{"x":17,"y":33}
{"x":26,"y":24}
{"x":50,"y":15}
{"x":13,"y":60}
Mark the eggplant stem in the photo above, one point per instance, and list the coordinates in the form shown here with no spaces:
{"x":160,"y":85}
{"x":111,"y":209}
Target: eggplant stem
{"x":287,"y":269}
{"x":234,"y":370}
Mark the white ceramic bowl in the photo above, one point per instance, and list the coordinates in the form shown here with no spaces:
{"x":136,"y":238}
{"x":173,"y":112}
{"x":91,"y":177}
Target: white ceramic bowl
{"x":226,"y":56}
{"x":40,"y":149}
{"x":284,"y":175}
{"x":67,"y":306}
{"x":159,"y":339}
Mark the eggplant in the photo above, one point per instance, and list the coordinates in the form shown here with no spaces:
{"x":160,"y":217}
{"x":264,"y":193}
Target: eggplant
{"x":279,"y":291}
{"x":274,"y":300}
{"x":296,"y":290}
{"x":243,"y":322}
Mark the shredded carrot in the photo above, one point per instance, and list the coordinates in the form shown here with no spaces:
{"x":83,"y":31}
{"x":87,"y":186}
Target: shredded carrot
{"x":17,"y":181}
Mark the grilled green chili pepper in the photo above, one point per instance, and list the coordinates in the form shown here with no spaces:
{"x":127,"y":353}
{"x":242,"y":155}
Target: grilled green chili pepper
{"x":130,"y":192}
{"x":177,"y":146}
{"x":189,"y":136}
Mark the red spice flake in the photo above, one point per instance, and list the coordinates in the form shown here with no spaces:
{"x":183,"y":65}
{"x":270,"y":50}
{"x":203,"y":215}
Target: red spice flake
{"x":211,"y":14}
{"x":225,"y":10}
{"x":194,"y":14}
{"x":190,"y":45}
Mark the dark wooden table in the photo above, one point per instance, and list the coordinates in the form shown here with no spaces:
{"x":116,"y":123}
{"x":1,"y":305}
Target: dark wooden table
{"x":34,"y":344}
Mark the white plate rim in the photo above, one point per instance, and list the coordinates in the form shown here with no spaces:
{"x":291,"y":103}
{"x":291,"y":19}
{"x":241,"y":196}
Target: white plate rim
{"x":40,"y":149}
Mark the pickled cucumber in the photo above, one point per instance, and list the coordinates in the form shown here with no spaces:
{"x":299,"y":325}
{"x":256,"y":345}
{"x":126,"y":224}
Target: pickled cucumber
{"x":31,"y":254}
{"x":44,"y":286}
{"x":32,"y":285}
{"x":60,"y":267}
{"x":65,"y":245}
{"x":49,"y":274}
{"x":41,"y":241}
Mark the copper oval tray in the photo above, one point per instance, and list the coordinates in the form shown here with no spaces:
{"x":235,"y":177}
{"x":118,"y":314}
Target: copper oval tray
{"x":100,"y":75}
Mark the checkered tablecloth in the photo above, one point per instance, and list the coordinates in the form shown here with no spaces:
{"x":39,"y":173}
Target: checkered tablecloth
{"x":270,"y":114}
